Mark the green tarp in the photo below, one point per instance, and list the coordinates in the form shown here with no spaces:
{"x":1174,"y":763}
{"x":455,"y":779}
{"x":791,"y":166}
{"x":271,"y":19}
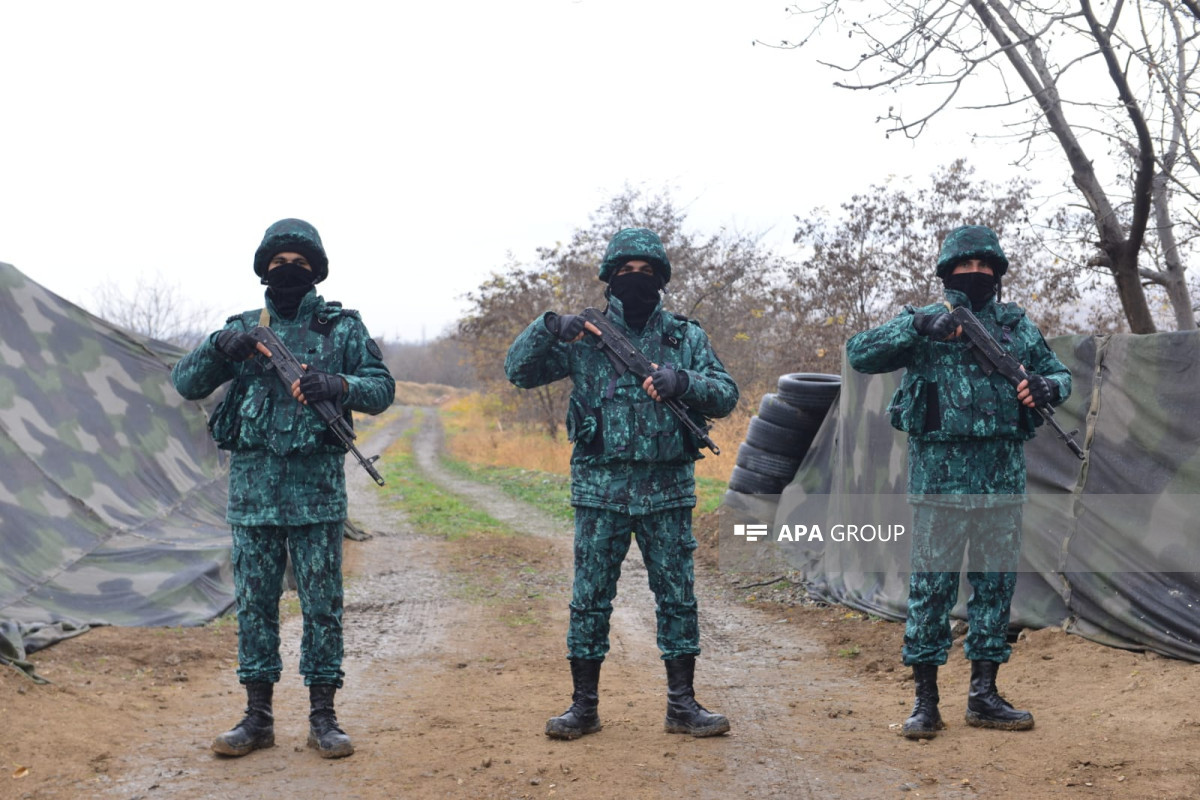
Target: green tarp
{"x":112,"y":495}
{"x":1111,"y":545}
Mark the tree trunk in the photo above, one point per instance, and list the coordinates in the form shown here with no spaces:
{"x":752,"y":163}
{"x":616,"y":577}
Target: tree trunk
{"x":1173,"y":280}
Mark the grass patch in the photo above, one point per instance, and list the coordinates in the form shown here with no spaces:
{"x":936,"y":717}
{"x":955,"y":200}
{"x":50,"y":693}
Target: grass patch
{"x":548,"y":491}
{"x":709,"y":494}
{"x":551,"y":492}
{"x":429,"y":508}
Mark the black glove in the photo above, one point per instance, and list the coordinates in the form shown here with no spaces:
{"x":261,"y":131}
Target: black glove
{"x":316,"y":386}
{"x":1041,"y":391}
{"x":669,"y":382}
{"x":937,"y":325}
{"x":565,"y":326}
{"x":235,"y":345}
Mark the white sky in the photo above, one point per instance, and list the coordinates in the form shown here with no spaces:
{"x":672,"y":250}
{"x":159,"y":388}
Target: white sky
{"x":424,"y":140}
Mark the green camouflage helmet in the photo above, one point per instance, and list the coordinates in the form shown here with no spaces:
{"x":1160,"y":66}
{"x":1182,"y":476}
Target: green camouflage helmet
{"x":635,"y":244}
{"x":292,"y":236}
{"x":971,"y":241}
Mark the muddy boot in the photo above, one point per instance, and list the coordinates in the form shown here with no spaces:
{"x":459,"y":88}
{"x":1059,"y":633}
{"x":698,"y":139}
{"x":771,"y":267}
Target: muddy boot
{"x":986,"y":708}
{"x":582,"y":716}
{"x":257,"y":728}
{"x":926,"y":720}
{"x":323,"y":731}
{"x":684,"y":714}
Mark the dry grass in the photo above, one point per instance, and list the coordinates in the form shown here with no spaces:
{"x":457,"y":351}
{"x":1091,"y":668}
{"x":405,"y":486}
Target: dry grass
{"x":728,"y":433}
{"x":426,"y":394}
{"x":475,"y":434}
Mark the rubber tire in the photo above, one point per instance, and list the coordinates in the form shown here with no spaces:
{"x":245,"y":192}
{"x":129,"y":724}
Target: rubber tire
{"x":777,"y":439}
{"x":776,"y":410}
{"x":748,"y":482}
{"x":810,"y":391}
{"x":764,"y":463}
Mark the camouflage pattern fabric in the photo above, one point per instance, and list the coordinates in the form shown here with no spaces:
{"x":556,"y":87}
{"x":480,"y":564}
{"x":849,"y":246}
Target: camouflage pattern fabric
{"x":632,"y":468}
{"x":259,"y":558}
{"x":1109,"y":546}
{"x":635,"y":244}
{"x":992,"y":539}
{"x":945,"y":398}
{"x":286,"y":468}
{"x":966,"y":437}
{"x":631,"y":455}
{"x":601,"y":542}
{"x":112,"y":493}
{"x":971,"y":241}
{"x":287,"y":480}
{"x":294,"y":236}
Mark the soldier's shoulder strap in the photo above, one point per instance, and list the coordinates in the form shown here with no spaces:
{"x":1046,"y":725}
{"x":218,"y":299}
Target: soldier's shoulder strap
{"x":1009,"y":314}
{"x":681,"y":321}
{"x":327,"y":316}
{"x":249,"y":318}
{"x":333,"y":308}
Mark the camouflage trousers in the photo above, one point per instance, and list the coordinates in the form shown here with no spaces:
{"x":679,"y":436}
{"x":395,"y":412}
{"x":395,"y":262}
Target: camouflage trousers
{"x":601,"y":542}
{"x":259,"y":559}
{"x":992,"y":539}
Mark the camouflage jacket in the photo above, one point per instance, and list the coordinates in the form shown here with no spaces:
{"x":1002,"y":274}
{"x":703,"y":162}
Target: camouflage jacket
{"x":631,"y":455}
{"x":286,"y":468}
{"x":950,"y":408}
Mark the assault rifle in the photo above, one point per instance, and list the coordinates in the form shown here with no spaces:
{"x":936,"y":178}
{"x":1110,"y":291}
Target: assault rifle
{"x":627,"y":358}
{"x":289,"y":371}
{"x":992,"y":358}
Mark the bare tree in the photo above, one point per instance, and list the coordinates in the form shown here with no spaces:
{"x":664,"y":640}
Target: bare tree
{"x":881,"y":253}
{"x":1125,"y":85}
{"x":155,"y":308}
{"x":441,"y":361}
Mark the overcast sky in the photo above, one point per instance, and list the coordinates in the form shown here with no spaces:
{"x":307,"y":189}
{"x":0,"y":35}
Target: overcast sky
{"x":425,"y":141}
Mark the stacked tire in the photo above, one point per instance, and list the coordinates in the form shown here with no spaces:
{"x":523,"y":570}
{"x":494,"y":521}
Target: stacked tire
{"x":780,"y":435}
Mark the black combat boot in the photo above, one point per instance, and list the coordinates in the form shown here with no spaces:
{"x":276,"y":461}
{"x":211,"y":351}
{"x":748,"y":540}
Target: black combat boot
{"x":257,"y":728}
{"x":684,"y":714}
{"x":323,"y":731}
{"x":986,"y":708}
{"x":582,"y":716}
{"x":926,"y":720}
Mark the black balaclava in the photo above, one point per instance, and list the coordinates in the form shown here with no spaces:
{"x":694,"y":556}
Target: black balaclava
{"x":286,"y":286}
{"x":638,"y":293}
{"x":979,"y":287}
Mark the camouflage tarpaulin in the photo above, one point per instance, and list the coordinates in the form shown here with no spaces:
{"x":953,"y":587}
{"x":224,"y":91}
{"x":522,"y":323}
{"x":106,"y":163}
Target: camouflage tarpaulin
{"x":1111,"y":547}
{"x":112,"y":496}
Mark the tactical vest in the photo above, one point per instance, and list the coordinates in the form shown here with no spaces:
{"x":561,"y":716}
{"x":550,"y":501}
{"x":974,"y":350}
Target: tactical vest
{"x":611,"y":418}
{"x":945,"y":394}
{"x":258,"y":412}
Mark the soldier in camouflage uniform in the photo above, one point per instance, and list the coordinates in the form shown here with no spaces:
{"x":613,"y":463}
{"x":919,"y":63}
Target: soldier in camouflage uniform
{"x":631,"y":470}
{"x":966,"y":469}
{"x":287,"y":483}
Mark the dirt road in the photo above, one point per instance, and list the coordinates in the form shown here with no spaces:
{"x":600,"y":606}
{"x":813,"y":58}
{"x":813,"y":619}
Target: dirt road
{"x":455,"y":658}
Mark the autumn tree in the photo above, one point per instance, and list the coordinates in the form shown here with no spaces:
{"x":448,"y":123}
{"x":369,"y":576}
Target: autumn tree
{"x":724,"y":279}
